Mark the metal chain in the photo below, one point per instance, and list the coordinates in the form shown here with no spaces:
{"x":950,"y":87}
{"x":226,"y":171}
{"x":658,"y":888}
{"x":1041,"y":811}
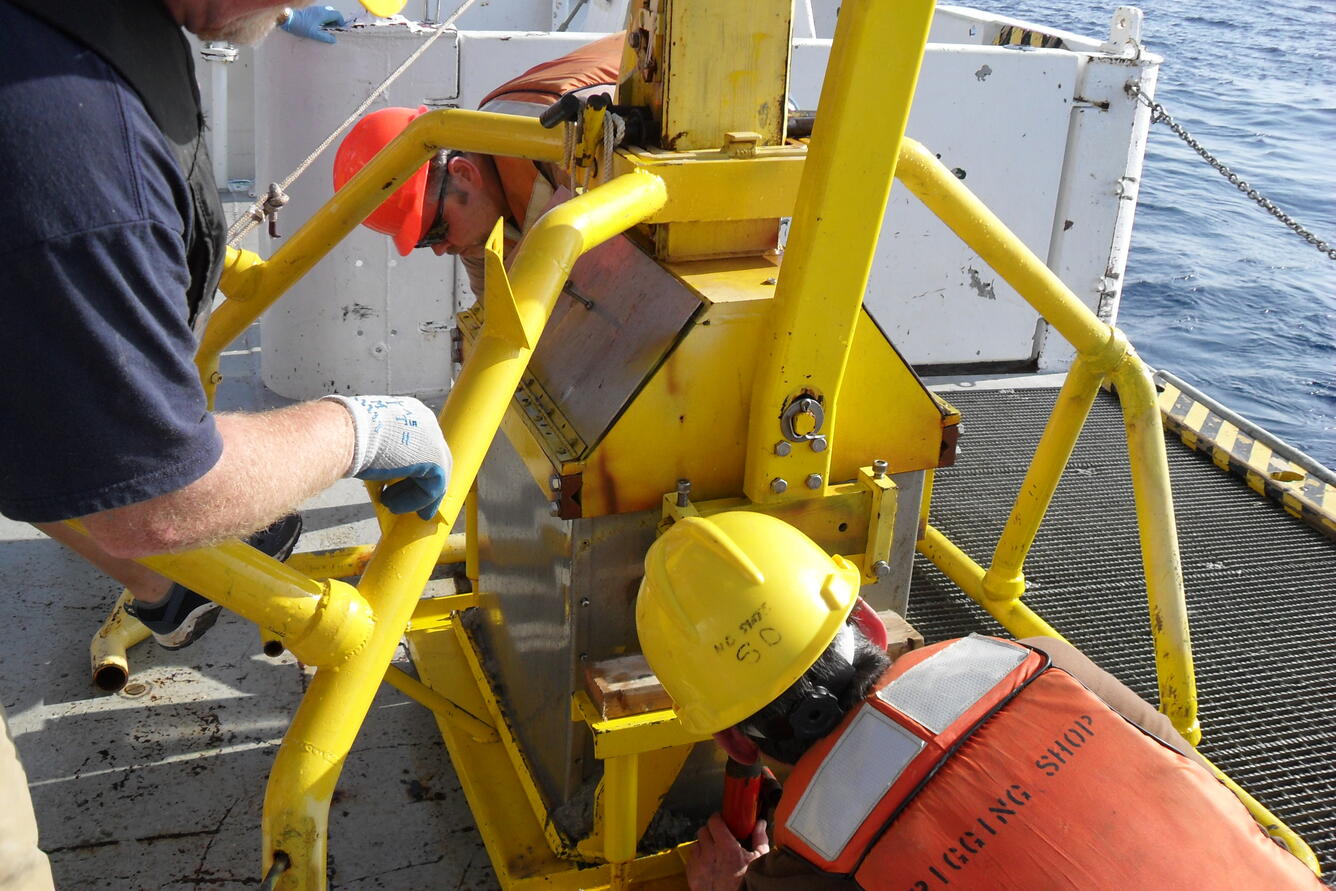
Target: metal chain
{"x":1159,"y":115}
{"x":268,"y":206}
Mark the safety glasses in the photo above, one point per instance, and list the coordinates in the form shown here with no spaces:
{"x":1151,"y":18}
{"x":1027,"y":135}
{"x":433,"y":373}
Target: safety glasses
{"x":438,"y":182}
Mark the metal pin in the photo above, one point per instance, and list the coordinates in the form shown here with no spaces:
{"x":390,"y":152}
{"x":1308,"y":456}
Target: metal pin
{"x":578,"y":297}
{"x":683,"y":493}
{"x":881,"y":569}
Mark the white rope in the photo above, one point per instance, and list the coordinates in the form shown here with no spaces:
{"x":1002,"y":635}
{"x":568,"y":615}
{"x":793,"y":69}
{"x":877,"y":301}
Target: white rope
{"x":568,"y":149}
{"x":614,"y":128}
{"x":260,"y":209}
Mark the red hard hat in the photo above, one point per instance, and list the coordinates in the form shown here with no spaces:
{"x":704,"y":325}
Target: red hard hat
{"x":400,"y":216}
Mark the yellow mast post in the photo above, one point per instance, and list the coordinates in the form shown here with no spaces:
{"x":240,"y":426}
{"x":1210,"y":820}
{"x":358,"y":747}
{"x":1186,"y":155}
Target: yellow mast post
{"x":870,"y":80}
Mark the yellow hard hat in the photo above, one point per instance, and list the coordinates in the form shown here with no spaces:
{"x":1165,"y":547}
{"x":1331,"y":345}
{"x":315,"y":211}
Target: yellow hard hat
{"x":383,"y":8}
{"x":733,"y":609}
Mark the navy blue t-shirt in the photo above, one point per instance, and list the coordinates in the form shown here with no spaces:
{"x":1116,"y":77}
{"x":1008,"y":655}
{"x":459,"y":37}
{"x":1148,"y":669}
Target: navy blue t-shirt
{"x":100,"y":401}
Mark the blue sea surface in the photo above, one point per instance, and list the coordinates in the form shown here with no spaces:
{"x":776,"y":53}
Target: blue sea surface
{"x":1217,"y":291}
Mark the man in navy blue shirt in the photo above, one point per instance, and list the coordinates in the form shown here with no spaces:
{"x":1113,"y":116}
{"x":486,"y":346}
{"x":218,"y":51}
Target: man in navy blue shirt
{"x":112,"y":251}
{"x":113,"y":254}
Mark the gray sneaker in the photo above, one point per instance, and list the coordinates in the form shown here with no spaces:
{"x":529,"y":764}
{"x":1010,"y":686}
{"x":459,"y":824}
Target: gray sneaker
{"x":183,"y":616}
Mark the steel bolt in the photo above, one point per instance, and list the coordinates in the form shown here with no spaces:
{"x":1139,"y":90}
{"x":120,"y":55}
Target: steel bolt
{"x":782,"y":448}
{"x":554,"y":483}
{"x":555,"y":507}
{"x":881,"y":569}
{"x":814,"y":481}
{"x":584,"y":601}
{"x":878,"y":469}
{"x":683,"y":493}
{"x":779,"y":486}
{"x":818,"y":443}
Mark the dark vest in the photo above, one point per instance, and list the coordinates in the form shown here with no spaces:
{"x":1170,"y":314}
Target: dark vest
{"x":147,"y":48}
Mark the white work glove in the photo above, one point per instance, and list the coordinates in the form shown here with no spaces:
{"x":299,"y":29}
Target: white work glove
{"x":399,"y":437}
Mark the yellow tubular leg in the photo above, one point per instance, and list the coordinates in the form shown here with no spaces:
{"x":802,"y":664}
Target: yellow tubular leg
{"x":1102,"y":346}
{"x":107,"y":652}
{"x":296,"y":812}
{"x":1041,"y":479}
{"x":1013,"y":615}
{"x":619,"y":815}
{"x":319,"y":621}
{"x":342,"y":563}
{"x":476,"y":728}
{"x":1159,"y":546}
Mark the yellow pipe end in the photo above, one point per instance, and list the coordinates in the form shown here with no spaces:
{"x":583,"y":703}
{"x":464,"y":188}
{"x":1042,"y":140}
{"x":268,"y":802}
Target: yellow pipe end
{"x":107,"y":651}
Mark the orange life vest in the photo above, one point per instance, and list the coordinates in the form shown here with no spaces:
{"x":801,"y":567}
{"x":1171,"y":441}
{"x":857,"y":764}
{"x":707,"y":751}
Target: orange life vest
{"x":586,"y":71}
{"x":977,"y":765}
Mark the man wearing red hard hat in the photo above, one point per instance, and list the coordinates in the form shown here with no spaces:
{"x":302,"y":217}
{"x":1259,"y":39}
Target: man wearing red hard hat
{"x":452,"y":203}
{"x":109,"y":281}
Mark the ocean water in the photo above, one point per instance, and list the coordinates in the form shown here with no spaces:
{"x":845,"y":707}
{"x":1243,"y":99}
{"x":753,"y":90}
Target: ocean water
{"x":1217,"y":291}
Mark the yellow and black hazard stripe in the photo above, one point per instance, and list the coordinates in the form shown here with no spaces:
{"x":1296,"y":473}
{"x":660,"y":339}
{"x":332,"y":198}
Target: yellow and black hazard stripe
{"x":1015,"y":35}
{"x":1300,"y":491}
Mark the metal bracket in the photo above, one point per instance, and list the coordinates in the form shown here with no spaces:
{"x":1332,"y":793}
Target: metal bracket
{"x":502,"y":313}
{"x":874,"y":492}
{"x":881,"y":520}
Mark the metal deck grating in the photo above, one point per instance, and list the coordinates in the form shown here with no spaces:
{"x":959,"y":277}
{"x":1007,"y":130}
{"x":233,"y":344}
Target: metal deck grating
{"x":1261,"y":593}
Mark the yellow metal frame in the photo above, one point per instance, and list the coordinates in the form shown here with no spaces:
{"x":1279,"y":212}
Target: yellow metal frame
{"x":501,"y":791}
{"x":1103,"y":354}
{"x":350,"y":633}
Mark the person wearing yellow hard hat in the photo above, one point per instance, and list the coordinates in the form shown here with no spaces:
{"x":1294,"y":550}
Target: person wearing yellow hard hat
{"x":114,"y":272}
{"x":971,"y":763}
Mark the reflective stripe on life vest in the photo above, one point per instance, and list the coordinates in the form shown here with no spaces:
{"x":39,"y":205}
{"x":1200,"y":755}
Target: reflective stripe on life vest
{"x":1037,"y":784}
{"x":891,"y":743}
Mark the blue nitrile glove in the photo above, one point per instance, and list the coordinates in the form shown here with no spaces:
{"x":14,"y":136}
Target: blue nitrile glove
{"x":398,"y":436}
{"x":311,"y":22}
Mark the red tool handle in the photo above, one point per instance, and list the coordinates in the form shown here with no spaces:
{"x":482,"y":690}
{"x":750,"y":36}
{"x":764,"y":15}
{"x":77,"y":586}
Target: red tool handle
{"x":742,"y":796}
